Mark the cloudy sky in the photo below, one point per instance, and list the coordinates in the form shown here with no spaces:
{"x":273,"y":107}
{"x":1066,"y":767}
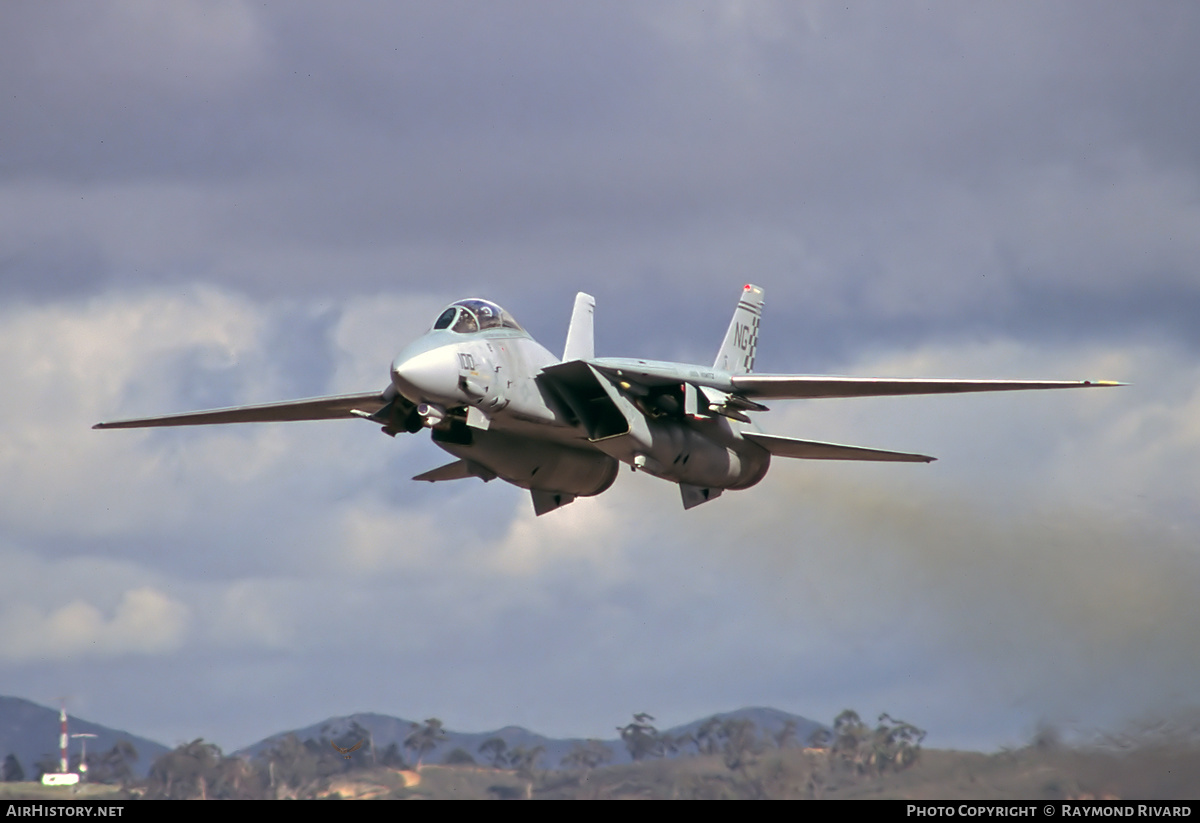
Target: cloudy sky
{"x":219,"y":202}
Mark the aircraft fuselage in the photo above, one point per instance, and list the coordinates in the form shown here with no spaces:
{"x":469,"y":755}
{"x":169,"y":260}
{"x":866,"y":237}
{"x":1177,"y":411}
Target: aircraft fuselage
{"x":520,"y":429}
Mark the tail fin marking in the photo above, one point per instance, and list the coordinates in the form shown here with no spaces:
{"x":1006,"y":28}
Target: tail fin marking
{"x":741,"y":340}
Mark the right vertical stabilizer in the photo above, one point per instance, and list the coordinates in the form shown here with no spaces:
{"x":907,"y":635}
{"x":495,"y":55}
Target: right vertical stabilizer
{"x":737,"y":352}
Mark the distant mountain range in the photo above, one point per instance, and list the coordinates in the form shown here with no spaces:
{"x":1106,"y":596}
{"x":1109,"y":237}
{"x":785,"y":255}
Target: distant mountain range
{"x":384,"y":730}
{"x":31,"y":731}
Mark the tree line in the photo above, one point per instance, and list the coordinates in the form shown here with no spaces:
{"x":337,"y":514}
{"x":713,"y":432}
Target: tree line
{"x":294,"y":768}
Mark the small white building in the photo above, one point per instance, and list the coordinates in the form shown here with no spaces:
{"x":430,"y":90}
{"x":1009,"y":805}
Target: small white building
{"x":60,"y":779}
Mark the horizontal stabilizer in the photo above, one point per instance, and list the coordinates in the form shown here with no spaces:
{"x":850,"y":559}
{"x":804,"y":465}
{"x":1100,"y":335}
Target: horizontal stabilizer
{"x":799,"y":386}
{"x":312,"y":408}
{"x":458,"y":470}
{"x":814,"y":450}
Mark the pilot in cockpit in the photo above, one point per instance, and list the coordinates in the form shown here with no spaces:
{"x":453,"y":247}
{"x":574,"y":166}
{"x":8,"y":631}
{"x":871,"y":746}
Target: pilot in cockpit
{"x":467,"y":316}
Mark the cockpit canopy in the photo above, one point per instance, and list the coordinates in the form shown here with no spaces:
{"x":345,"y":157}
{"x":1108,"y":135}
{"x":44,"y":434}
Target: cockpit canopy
{"x":472,"y":315}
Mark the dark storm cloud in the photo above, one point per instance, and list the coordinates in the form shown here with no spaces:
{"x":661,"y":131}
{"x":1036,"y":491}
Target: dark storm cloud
{"x":874,"y":166}
{"x":344,"y":89}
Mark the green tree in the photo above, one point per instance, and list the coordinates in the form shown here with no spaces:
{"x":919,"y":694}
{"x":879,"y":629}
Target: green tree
{"x":392,"y":758}
{"x":13,"y":773}
{"x":587,"y":756}
{"x":641,"y":738}
{"x":425,"y":738}
{"x":292,"y":769}
{"x":458,"y":757}
{"x":850,"y":735}
{"x":786,"y":736}
{"x":525,"y":760}
{"x":739,"y":743}
{"x":892,"y":744}
{"x":185,"y":773}
{"x":895,"y":744}
{"x":708,"y":737}
{"x":114,"y":765}
{"x":495,"y":749}
{"x":236,"y":779}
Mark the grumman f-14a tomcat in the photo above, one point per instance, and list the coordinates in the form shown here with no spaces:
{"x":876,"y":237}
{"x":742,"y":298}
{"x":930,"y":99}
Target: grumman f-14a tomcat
{"x":504,"y":406}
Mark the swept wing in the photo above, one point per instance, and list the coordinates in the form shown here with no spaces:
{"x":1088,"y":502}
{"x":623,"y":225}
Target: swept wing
{"x":367,"y":404}
{"x":799,"y":386}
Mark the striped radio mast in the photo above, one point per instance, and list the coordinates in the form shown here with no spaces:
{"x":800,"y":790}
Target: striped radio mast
{"x":62,"y":740}
{"x":62,"y":777}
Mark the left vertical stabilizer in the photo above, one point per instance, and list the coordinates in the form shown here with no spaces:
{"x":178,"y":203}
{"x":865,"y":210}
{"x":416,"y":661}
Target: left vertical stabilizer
{"x":581,"y":343}
{"x":741,"y":341}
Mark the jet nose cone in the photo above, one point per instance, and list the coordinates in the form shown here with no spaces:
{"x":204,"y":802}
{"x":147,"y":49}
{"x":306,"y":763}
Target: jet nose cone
{"x":428,"y":377}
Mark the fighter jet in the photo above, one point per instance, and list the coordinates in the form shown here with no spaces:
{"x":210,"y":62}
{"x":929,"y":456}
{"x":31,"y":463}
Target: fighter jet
{"x":505,"y":407}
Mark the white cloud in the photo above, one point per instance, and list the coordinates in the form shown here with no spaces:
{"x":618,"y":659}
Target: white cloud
{"x":371,"y":330}
{"x":71,"y":365}
{"x":145,"y":621}
{"x":584,"y":535}
{"x":257,"y":613}
{"x":85,"y":605}
{"x":373,"y":539}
